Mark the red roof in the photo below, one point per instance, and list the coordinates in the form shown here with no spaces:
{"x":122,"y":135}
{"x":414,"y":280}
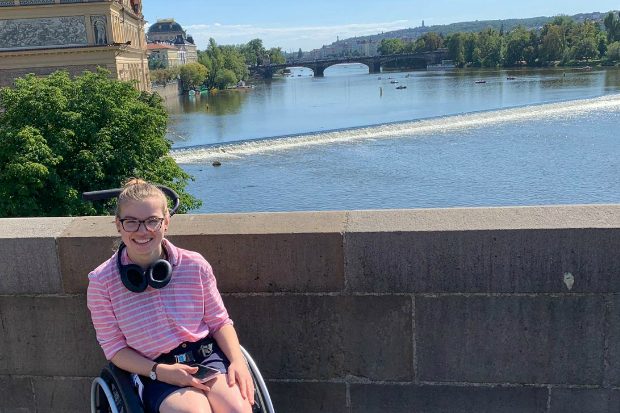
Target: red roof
{"x":158,"y":46}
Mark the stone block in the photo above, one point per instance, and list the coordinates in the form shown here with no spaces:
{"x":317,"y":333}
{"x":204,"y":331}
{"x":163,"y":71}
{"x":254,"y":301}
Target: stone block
{"x":326,"y":337}
{"x":62,"y":394}
{"x":48,"y":336}
{"x":406,"y":398}
{"x":17,"y":395}
{"x":268,"y":252}
{"x":584,"y":400}
{"x":510,"y":339}
{"x":28,"y":254}
{"x":612,"y":343}
{"x":272,"y":262}
{"x":483,"y":261}
{"x":308,"y":397}
{"x":85,"y":244}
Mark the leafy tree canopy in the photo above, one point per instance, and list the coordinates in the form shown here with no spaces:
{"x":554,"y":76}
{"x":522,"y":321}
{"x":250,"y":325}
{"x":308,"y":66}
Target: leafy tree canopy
{"x":61,"y":136}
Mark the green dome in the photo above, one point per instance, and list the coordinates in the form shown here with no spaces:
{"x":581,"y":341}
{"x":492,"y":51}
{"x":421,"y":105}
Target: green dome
{"x":165,"y":26}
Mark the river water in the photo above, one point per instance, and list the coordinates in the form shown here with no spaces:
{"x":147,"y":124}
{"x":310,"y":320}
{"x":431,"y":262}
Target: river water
{"x":352,"y":140}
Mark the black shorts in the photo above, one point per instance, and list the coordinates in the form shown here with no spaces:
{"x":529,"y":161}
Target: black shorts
{"x":154,"y":392}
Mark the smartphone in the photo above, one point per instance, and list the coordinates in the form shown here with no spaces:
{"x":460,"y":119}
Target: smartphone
{"x":205,"y":373}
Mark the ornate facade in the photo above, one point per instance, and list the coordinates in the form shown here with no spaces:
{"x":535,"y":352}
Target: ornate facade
{"x":42,"y":36}
{"x":169,"y":32}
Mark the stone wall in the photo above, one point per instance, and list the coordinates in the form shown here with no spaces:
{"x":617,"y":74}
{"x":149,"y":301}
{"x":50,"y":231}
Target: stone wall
{"x":456,"y":310}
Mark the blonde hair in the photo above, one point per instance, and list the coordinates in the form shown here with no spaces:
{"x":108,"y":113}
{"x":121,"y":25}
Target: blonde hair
{"x":136,"y":189}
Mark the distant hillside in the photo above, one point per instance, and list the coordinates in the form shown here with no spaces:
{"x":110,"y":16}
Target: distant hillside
{"x":473,"y":26}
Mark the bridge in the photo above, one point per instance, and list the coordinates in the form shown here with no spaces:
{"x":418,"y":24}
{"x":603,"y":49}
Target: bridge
{"x":374,"y":63}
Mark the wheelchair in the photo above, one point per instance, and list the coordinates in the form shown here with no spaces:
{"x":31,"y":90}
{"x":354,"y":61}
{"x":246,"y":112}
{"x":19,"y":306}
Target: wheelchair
{"x":114,"y":390}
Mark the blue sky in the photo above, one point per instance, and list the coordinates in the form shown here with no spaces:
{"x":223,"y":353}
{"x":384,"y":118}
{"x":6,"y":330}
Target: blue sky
{"x":312,"y":23}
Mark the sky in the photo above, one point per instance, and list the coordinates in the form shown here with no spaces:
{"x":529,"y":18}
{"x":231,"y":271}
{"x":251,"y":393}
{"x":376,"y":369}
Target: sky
{"x":311,"y":24}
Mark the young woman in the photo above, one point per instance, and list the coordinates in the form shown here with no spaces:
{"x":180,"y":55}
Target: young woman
{"x":157,"y":313}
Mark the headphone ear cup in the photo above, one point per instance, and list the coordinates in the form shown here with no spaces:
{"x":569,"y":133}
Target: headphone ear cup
{"x":133,"y":278}
{"x":159,"y":274}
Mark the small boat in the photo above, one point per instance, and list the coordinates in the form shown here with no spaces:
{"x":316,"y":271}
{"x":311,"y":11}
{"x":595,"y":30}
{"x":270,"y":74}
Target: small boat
{"x":401,"y":87}
{"x":393,"y":81}
{"x":480,"y":81}
{"x":510,"y":78}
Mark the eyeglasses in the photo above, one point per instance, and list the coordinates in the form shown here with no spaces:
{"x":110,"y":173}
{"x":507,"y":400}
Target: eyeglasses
{"x":133,"y":225}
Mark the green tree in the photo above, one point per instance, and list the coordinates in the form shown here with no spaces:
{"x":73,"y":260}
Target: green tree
{"x":225,"y":78}
{"x":218,"y":58}
{"x":254,"y":52}
{"x":584,"y":41}
{"x":613,"y":52}
{"x":490,"y":48}
{"x":61,"y":136}
{"x":390,"y":46}
{"x":193,"y":75}
{"x":163,"y":76}
{"x":300,"y":53}
{"x":553,"y":43}
{"x":276,"y":57}
{"x":432,"y":41}
{"x":516,"y":43}
{"x":456,"y":48}
{"x":612,"y":25}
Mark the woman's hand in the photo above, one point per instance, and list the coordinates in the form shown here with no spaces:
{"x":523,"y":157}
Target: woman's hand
{"x":180,"y":375}
{"x":238,"y":373}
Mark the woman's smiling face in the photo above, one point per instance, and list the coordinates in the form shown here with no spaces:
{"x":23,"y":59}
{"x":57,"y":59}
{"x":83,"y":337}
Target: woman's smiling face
{"x":144,"y":245}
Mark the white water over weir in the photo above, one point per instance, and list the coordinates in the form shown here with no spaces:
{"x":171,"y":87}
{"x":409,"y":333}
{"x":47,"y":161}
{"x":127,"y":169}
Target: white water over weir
{"x":230,"y":150}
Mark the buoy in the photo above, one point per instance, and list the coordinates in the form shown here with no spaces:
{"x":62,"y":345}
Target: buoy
{"x":216,"y":163}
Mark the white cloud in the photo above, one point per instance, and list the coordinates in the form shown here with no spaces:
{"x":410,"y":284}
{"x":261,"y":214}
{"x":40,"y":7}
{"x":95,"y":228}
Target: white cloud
{"x":288,"y":38}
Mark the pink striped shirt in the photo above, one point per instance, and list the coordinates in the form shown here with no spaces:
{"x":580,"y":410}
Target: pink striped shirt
{"x":157,"y":320}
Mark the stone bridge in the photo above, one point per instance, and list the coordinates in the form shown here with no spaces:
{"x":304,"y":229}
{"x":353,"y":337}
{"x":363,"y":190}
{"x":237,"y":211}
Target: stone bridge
{"x":374,"y":63}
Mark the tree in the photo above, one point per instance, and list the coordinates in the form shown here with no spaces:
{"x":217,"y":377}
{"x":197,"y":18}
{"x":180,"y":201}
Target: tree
{"x":276,"y":56}
{"x":300,"y":54}
{"x":60,"y":137}
{"x":612,"y":25}
{"x":553,"y":43}
{"x":517,"y":42}
{"x":224,"y":78}
{"x":613,"y":52}
{"x":456,"y":48}
{"x":193,"y":75}
{"x":254,"y":52}
{"x":390,"y":46}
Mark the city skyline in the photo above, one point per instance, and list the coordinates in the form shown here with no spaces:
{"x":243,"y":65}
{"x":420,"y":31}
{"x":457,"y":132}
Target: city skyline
{"x":310,"y":25}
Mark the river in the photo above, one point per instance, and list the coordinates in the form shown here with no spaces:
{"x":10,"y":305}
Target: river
{"x":351,"y":140}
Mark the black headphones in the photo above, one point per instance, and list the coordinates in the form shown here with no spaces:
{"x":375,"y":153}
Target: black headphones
{"x":135,"y":279}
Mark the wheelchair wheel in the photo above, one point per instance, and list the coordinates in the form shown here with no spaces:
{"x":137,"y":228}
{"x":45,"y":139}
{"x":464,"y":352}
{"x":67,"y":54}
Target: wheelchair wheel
{"x":262,"y":400}
{"x":113,"y":392}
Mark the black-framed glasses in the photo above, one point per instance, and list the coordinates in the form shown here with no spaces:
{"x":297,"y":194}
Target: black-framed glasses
{"x":133,"y":225}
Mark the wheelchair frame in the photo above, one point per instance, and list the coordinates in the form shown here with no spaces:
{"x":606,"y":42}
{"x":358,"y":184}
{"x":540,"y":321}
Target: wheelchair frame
{"x":114,"y":392}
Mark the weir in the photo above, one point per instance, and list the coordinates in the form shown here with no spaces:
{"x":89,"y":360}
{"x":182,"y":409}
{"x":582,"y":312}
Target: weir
{"x":397,"y":130}
{"x":480,"y":309}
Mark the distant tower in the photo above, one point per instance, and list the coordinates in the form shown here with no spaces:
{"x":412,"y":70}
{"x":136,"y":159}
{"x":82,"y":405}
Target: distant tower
{"x":422,"y":23}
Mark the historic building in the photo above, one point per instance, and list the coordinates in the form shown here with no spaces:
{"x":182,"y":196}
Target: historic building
{"x":162,"y":55}
{"x":169,"y":32}
{"x":42,"y":36}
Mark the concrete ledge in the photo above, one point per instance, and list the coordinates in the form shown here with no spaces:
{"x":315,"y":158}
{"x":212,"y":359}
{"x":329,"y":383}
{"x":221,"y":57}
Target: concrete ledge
{"x":458,"y":310}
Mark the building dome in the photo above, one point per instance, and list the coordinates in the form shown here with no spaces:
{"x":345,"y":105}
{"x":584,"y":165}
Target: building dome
{"x":165,"y":26}
{"x":165,"y":30}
